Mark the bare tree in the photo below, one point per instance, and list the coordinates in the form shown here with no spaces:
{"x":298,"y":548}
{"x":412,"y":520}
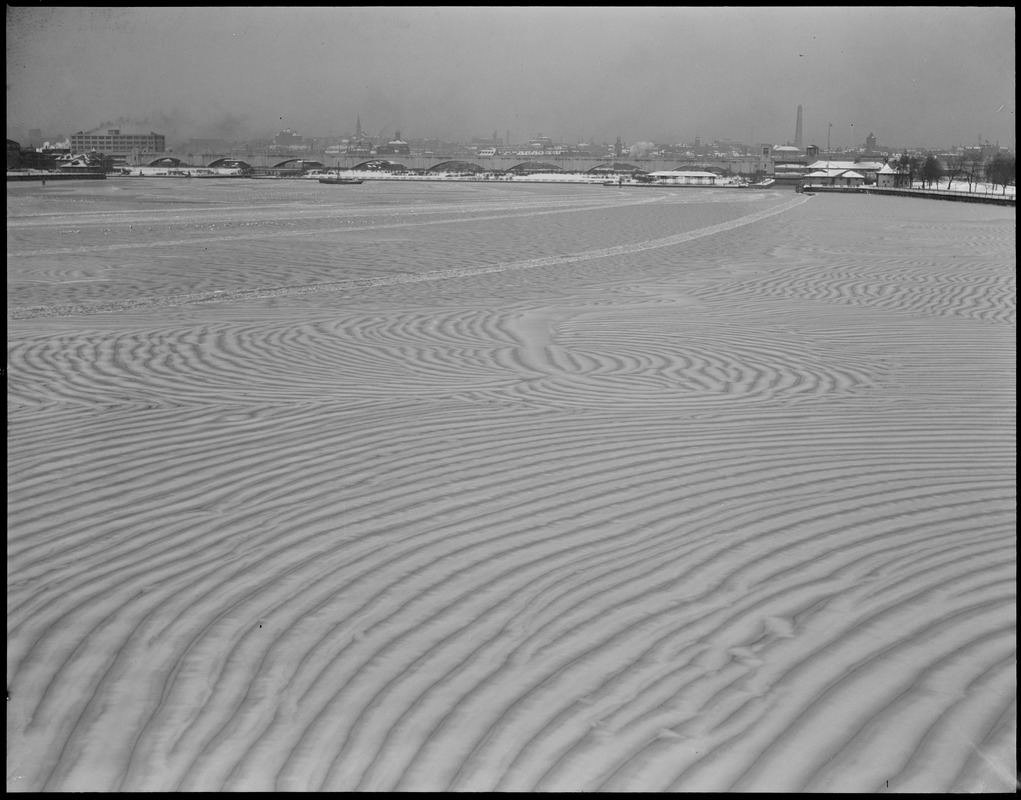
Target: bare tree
{"x":973,"y":167}
{"x":931,"y":171}
{"x":1000,"y":171}
{"x":953,"y":167}
{"x":911,"y":165}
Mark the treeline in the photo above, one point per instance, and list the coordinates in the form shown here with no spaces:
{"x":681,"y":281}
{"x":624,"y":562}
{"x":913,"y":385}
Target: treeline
{"x":970,"y":167}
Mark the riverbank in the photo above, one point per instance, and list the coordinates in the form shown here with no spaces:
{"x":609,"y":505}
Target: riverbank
{"x":40,"y":175}
{"x":931,"y":194}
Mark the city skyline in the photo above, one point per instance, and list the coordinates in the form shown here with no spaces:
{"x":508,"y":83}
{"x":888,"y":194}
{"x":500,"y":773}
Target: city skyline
{"x":915,"y":76}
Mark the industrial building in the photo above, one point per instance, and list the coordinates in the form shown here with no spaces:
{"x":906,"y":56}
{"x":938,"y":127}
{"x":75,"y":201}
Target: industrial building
{"x":114,"y":143}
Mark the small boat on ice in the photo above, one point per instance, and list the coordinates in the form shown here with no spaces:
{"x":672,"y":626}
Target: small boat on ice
{"x":338,"y":179}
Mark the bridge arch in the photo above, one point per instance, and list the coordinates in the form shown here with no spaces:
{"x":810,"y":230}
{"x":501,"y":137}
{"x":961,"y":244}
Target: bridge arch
{"x":230,"y":163}
{"x":381,"y":165}
{"x":166,"y":161}
{"x":616,"y":168}
{"x":525,"y":167}
{"x":458,"y":166}
{"x":699,"y":167}
{"x":299,"y":163}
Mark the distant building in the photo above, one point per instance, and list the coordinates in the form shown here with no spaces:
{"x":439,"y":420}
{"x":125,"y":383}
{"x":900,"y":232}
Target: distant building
{"x":359,"y":147}
{"x":288,"y":138}
{"x":37,"y":159}
{"x":13,"y":154}
{"x":115,"y":143}
{"x":395,"y":147}
{"x":493,"y":141}
{"x":834,"y":177}
{"x":359,"y":144}
{"x":85,"y":163}
{"x":868,"y":169}
{"x":684,"y":178}
{"x":891,"y":177}
{"x":540,"y":142}
{"x":788,"y":162}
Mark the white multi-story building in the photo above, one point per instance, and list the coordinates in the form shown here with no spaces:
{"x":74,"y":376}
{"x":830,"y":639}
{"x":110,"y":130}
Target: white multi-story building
{"x":113,"y":142}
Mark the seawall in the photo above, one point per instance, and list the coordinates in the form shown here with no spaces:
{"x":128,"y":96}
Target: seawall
{"x":931,"y":194}
{"x":56,"y":176}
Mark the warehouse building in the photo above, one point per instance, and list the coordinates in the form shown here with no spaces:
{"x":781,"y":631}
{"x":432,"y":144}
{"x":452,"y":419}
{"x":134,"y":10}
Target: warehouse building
{"x":114,"y":143}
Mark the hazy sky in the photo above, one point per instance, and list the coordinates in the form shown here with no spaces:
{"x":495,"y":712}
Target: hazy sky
{"x":915,"y":76}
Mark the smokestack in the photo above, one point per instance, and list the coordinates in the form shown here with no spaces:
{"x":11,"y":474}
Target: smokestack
{"x":797,"y":131}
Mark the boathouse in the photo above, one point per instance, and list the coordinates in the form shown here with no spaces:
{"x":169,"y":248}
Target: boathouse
{"x":834,"y":177}
{"x":893,"y":178}
{"x":869,"y":169}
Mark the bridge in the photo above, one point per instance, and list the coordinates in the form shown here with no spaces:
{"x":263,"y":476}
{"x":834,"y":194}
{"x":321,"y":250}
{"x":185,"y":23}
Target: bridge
{"x":738,"y":165}
{"x":469,"y":166}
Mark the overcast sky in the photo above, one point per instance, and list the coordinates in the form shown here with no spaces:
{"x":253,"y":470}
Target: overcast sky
{"x":915,"y":76}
